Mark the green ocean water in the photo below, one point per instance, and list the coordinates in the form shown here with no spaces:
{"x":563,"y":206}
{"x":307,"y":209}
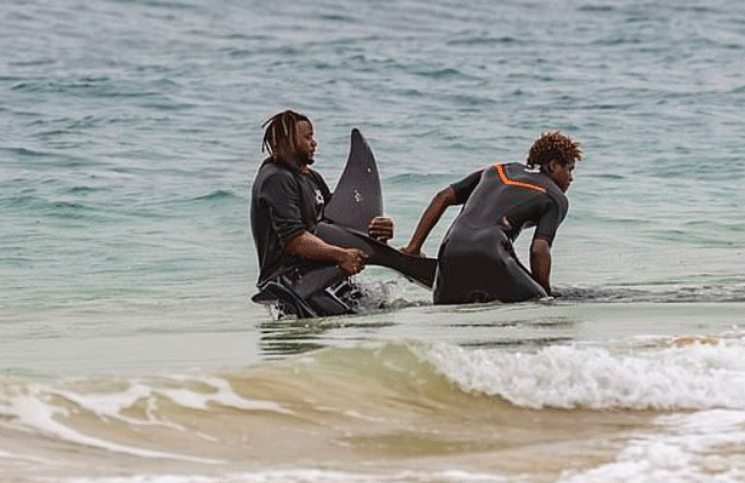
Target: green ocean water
{"x":130,"y":349}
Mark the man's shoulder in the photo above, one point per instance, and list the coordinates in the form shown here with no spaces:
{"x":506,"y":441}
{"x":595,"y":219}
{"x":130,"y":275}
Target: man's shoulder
{"x":272,"y":180}
{"x":525,"y":174}
{"x":270,"y":170}
{"x":269,"y":167}
{"x":557,"y":195}
{"x":539,"y":178}
{"x":520,"y":169}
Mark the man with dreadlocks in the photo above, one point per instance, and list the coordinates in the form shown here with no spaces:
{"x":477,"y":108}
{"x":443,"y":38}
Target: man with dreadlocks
{"x":476,"y":261}
{"x":287,"y":203}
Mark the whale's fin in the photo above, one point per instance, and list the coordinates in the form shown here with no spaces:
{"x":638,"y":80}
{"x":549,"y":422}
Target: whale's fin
{"x":358,"y":197}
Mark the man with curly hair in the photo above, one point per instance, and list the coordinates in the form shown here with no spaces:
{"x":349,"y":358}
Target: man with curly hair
{"x":476,"y":260}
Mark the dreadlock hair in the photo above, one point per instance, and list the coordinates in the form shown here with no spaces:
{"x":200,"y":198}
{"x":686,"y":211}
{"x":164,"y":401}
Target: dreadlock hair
{"x":553,"y":145}
{"x":279,"y":137}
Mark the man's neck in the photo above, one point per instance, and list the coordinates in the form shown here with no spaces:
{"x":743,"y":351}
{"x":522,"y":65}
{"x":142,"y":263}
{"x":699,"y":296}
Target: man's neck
{"x":293,"y":163}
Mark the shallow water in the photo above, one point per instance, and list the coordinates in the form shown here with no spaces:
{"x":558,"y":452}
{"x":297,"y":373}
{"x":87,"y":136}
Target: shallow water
{"x":130,"y":350}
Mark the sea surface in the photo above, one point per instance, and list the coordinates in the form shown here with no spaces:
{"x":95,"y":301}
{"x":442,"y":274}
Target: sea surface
{"x":130,"y":351}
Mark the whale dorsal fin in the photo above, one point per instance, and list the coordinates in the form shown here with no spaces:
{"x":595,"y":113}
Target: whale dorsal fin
{"x":358,"y":197}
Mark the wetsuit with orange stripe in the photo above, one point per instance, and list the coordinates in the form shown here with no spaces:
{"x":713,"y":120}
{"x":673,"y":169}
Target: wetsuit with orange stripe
{"x":476,"y":261}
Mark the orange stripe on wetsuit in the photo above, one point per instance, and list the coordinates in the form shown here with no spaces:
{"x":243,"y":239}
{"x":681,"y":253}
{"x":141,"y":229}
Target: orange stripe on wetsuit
{"x":518,"y":184}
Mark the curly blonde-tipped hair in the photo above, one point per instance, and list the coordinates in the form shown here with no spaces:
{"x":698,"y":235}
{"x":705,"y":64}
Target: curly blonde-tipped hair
{"x":553,"y":145}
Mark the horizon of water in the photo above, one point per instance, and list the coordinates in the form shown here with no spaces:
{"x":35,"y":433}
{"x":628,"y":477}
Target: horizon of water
{"x":130,"y":350}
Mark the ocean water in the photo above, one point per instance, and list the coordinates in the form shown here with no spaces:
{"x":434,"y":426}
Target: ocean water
{"x":130,"y":351}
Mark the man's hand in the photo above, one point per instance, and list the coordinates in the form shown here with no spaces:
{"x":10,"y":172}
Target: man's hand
{"x":351,"y":260}
{"x":409,"y":250}
{"x":381,"y":228}
{"x":429,"y":219}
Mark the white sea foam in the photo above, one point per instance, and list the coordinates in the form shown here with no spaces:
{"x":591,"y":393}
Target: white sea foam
{"x":39,"y":415}
{"x":704,"y":447}
{"x":695,"y":376}
{"x":31,"y":408}
{"x":223,"y":396}
{"x":307,"y":476}
{"x":5,"y":455}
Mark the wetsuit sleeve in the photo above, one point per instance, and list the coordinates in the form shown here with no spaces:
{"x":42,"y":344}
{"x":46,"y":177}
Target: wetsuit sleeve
{"x":281,"y":193}
{"x":549,"y":222}
{"x":465,"y":187}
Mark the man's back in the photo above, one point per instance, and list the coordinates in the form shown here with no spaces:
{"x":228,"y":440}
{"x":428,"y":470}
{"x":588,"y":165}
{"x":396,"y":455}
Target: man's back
{"x":512,"y":197}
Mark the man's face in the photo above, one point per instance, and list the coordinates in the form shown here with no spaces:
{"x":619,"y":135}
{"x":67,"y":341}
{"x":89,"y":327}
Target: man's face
{"x":305,"y":143}
{"x":562,"y":174}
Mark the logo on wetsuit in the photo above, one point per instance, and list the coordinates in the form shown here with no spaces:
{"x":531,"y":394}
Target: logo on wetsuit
{"x":319,"y":197}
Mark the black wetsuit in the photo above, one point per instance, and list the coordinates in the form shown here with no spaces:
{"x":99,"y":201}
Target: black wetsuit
{"x":476,"y":261}
{"x":285,"y":202}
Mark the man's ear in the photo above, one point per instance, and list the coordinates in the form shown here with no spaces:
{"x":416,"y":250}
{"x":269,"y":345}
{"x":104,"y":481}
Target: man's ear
{"x":552,"y":165}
